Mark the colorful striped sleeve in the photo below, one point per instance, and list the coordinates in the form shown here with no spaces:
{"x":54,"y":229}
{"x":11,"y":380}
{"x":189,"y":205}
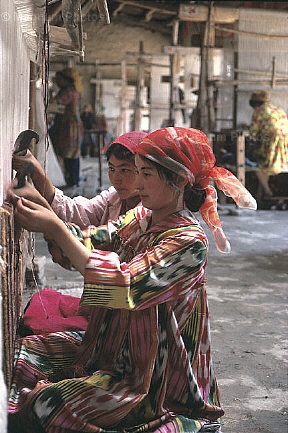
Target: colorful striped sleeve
{"x":171,"y":268}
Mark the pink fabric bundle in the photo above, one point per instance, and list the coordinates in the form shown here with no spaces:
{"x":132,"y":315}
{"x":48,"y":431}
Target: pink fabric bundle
{"x":51,"y":311}
{"x":187,"y":152}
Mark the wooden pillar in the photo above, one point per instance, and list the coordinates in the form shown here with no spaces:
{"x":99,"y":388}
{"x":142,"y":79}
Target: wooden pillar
{"x":139,"y":89}
{"x":174,"y":75}
{"x":205,"y":117}
{"x":123,"y":121}
{"x":235,"y":91}
{"x":240,"y":158}
{"x":171,"y":119}
{"x":98,"y":90}
{"x":210,"y":44}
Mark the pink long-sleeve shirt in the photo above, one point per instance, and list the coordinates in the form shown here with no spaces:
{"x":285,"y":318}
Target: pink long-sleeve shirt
{"x":84,"y":211}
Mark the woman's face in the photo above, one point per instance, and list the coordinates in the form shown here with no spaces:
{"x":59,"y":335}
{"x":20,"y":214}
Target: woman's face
{"x":154,"y":191}
{"x":123,"y":177}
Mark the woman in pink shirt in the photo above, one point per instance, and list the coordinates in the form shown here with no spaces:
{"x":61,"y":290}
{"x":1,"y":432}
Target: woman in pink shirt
{"x":108,"y":205}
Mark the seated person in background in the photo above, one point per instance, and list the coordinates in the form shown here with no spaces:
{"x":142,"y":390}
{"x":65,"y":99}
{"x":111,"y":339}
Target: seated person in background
{"x":144,"y":363}
{"x":88,"y":118}
{"x":269,"y":127}
{"x":101,"y":132}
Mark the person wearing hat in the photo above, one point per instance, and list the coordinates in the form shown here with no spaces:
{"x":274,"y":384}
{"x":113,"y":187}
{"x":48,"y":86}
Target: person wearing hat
{"x":145,"y":362}
{"x":67,"y":130}
{"x":107,"y":205}
{"x":269,"y":127}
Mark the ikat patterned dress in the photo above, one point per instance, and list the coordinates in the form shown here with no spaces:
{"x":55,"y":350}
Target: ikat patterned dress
{"x":270,"y":126}
{"x":144,"y":363}
{"x":67,"y":129}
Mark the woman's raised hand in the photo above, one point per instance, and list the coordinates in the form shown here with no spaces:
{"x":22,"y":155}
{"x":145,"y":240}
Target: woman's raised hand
{"x":40,"y":179}
{"x":18,"y":160}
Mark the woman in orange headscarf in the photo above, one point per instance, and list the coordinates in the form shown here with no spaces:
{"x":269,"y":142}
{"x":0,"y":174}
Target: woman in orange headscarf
{"x":144,"y":363}
{"x":188,"y":153}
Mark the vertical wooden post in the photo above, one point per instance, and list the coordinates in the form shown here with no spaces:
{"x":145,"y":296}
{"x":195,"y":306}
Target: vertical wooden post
{"x":205,"y":119}
{"x":98,"y":90}
{"x":174,"y":57}
{"x":240,"y":158}
{"x":273,"y":72}
{"x":210,"y":44}
{"x":235,"y":88}
{"x":139,"y":89}
{"x":171,"y":119}
{"x":122,"y":123}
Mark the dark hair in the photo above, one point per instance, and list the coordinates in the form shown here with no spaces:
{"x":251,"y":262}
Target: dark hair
{"x":120,"y":152}
{"x":66,"y":77}
{"x":253,"y":103}
{"x":194,"y":195}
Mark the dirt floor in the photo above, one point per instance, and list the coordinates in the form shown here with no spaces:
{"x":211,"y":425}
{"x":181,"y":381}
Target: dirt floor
{"x":248,"y":304}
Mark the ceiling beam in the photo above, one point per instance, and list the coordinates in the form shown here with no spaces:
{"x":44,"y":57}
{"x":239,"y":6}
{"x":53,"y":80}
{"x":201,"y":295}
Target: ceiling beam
{"x":59,"y":35}
{"x":201,"y":13}
{"x":150,"y":6}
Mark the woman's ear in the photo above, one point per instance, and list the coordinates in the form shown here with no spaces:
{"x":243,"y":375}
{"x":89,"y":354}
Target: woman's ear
{"x":182,"y":182}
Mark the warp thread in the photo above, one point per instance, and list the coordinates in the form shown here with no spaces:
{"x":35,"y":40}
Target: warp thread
{"x":11,"y":285}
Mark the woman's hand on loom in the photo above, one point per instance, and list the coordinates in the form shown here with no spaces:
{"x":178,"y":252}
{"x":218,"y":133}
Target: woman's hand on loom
{"x":37,"y":218}
{"x":27,"y":191}
{"x":19,"y":159}
{"x":40,"y":179}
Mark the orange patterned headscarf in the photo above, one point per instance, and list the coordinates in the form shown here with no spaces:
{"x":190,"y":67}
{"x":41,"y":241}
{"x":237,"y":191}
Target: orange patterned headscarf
{"x":187,"y":152}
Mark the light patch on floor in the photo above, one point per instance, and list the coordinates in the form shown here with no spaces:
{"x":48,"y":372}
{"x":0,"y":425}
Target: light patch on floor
{"x":258,"y":397}
{"x":279,"y":351}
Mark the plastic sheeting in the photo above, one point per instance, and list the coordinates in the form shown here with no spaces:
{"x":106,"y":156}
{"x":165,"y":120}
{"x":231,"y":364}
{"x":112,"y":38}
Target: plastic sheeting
{"x":256,"y":53}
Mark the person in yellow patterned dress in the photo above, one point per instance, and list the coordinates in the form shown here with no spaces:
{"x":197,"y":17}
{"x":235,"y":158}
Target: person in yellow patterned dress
{"x":269,"y":127}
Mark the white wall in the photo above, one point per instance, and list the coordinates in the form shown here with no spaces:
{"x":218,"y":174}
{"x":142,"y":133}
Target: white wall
{"x":159,"y":91}
{"x":256,"y":54}
{"x":189,"y":69}
{"x":14,"y":109}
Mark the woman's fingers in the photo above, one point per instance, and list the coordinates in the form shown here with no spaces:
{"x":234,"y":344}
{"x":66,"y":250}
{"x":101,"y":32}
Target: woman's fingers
{"x":12,"y":195}
{"x":27,"y":191}
{"x":25,"y":203}
{"x":32,"y":216}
